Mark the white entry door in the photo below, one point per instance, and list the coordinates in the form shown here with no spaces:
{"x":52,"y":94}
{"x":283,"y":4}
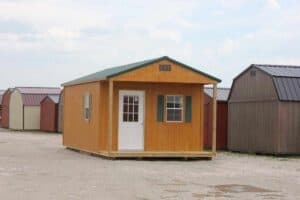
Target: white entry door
{"x":131,"y":120}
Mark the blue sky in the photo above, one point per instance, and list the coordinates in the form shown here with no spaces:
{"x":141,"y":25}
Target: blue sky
{"x":46,"y":43}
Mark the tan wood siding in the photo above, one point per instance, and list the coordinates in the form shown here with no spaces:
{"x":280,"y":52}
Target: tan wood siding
{"x":32,"y":117}
{"x":151,"y":73}
{"x":165,"y":136}
{"x":16,"y":111}
{"x":78,"y":132}
{"x":103,"y":116}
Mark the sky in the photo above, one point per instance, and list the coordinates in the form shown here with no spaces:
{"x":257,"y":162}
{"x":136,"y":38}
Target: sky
{"x":47,"y":43}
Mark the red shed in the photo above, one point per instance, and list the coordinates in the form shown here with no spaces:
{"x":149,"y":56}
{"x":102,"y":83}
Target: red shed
{"x":222,"y":117}
{"x":5,"y":108}
{"x":1,"y":94}
{"x":49,"y":113}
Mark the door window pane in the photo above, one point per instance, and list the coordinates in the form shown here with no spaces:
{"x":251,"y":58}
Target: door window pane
{"x":136,"y":118}
{"x":125,"y":100}
{"x":130,"y":108}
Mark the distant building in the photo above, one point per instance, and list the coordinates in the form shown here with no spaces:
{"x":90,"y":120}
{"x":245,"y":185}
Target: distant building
{"x":5,"y":108}
{"x":222,"y":117}
{"x":49,"y":113}
{"x":264,"y":110}
{"x":1,"y":94}
{"x":61,"y":112}
{"x":24,"y":106}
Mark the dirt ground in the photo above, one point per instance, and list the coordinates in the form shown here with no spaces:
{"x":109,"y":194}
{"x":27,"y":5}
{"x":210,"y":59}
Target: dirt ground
{"x":37,"y":166}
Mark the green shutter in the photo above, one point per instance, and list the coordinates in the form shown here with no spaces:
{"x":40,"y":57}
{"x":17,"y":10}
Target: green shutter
{"x":160,"y":108}
{"x":188,"y":108}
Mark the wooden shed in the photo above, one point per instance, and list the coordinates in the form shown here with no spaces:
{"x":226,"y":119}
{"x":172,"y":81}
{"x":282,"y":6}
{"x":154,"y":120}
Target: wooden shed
{"x":24,"y":106}
{"x":264,"y":110}
{"x":152,"y":108}
{"x":222,"y":117}
{"x":61,"y":112}
{"x":49,"y":113}
{"x":5,"y":108}
{"x":1,"y":94}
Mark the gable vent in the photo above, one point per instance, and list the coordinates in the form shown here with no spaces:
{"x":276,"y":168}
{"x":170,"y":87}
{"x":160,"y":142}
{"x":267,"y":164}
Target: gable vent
{"x":253,"y":73}
{"x":165,"y":68}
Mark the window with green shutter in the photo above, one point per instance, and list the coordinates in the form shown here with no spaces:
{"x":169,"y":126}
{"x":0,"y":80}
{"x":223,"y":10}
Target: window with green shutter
{"x":174,"y":108}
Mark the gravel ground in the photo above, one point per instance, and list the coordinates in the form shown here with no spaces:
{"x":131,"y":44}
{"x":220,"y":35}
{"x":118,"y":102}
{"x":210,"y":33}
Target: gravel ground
{"x":36,"y":166}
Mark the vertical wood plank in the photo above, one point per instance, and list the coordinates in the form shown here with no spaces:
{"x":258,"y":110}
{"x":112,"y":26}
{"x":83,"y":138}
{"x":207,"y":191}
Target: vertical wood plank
{"x":214,"y":119}
{"x":110,"y":115}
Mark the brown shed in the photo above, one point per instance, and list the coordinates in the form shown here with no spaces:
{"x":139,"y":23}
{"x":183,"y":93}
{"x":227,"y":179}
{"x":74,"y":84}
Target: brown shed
{"x":61,"y":112}
{"x":49,"y":113}
{"x":1,"y":94}
{"x":5,"y":108}
{"x":222,"y":117}
{"x":264,"y":110}
{"x":152,"y":108}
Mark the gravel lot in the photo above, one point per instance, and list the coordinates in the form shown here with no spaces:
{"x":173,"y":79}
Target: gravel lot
{"x":36,"y":166}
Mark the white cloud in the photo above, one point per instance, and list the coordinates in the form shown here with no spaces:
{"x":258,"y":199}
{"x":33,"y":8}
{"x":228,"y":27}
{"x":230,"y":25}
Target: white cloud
{"x":47,"y":13}
{"x":228,"y":47}
{"x":166,"y":35}
{"x":273,"y":4}
{"x":88,"y":36}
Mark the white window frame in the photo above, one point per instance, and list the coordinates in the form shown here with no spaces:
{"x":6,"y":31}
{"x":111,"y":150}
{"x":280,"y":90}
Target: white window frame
{"x":166,"y":108}
{"x":87,"y":106}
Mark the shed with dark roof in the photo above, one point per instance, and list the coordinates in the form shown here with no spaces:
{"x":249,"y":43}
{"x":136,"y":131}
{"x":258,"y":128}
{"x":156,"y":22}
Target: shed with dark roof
{"x":24,"y":106}
{"x":49,"y":113}
{"x":222,"y":117}
{"x":151,"y":108}
{"x":264,"y":110}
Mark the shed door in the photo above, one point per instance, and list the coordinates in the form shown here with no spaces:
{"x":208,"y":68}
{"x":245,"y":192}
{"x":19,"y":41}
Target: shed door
{"x":131,"y":120}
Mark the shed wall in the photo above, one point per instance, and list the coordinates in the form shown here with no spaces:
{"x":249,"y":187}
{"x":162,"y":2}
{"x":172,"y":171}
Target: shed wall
{"x":163,"y":136}
{"x":222,"y":124}
{"x":78,"y":132}
{"x":49,"y":115}
{"x":16,"y":111}
{"x":289,"y":113}
{"x":253,"y":120}
{"x":32,"y":117}
{"x":60,"y":113}
{"x":5,"y":109}
{"x":253,"y":127}
{"x":253,"y":88}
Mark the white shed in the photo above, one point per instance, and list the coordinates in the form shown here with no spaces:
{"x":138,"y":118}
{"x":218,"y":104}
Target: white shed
{"x":24,"y":106}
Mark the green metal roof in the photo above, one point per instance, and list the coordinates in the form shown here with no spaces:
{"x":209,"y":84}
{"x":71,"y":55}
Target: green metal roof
{"x":115,"y":71}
